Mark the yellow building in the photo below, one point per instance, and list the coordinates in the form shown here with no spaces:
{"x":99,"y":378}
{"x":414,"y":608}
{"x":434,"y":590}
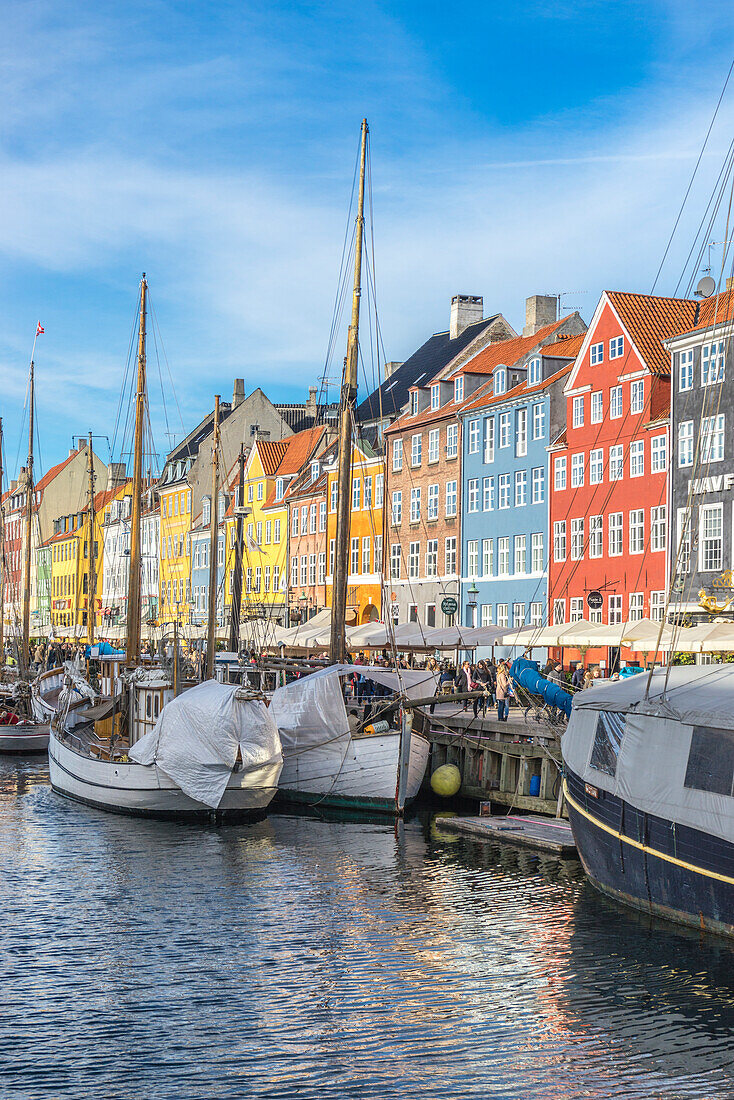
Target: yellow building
{"x":269,"y":469}
{"x":69,"y":576}
{"x":174,"y":559}
{"x":366,"y":564}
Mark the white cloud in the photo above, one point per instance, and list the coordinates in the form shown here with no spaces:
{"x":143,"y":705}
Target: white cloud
{"x":242,"y":255}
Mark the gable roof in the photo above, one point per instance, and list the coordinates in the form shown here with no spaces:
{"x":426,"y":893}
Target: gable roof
{"x":55,"y":471}
{"x":423,"y":365}
{"x":272,"y":452}
{"x":507,"y":352}
{"x":649,"y":320}
{"x":484,"y":396}
{"x":294,"y":452}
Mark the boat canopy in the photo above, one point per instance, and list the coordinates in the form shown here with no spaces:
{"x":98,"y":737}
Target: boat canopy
{"x":198,"y":735}
{"x":669,"y":753}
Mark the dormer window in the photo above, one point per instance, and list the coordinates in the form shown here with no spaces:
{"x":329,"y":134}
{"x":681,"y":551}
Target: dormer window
{"x":534,"y":372}
{"x":413,"y":402}
{"x":206,"y":514}
{"x":500,"y":380}
{"x":314,"y":471}
{"x":459,"y":389}
{"x":279,"y":488}
{"x":435,"y":397}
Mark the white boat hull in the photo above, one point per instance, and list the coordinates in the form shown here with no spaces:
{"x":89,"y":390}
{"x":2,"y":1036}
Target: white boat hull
{"x":26,"y":737}
{"x":363,"y":774}
{"x":146,"y":791}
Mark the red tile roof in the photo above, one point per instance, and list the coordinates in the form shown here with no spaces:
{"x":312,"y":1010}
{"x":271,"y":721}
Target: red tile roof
{"x":565,"y":347}
{"x":716,"y":310}
{"x":271,"y":454}
{"x":503,"y":353}
{"x":650,"y":320}
{"x":299,"y":449}
{"x":507,"y":352}
{"x":54,"y":472}
{"x":486,"y":397}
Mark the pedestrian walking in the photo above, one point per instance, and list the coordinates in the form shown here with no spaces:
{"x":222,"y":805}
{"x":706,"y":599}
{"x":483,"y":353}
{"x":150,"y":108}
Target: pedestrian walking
{"x":503,"y":692}
{"x":482,"y":682}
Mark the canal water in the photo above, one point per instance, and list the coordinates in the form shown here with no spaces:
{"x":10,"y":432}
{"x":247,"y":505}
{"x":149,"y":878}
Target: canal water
{"x":300,"y":957}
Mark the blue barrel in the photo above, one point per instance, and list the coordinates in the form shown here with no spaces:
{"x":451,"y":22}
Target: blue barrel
{"x":535,"y":785}
{"x":528,"y":676}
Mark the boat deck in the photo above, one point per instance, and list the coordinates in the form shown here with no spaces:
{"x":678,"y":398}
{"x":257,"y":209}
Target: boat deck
{"x":524,"y":832}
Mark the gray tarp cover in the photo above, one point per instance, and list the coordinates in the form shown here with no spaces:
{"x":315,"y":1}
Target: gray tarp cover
{"x":652,"y":762}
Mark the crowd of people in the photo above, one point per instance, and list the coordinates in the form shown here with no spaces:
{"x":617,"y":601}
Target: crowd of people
{"x":45,"y":655}
{"x":489,"y":676}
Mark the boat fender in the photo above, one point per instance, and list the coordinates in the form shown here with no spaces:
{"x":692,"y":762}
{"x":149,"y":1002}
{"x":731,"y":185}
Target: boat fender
{"x":377,"y":727}
{"x":446,"y":781}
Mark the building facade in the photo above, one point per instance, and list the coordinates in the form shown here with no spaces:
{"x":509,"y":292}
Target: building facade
{"x":504,"y":530}
{"x":701,"y":558}
{"x":424,"y":466}
{"x":366,"y":532}
{"x":307,"y":541}
{"x":609,"y":484}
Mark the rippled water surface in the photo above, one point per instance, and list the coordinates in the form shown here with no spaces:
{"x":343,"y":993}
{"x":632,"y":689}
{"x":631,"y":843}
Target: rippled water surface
{"x":305,"y":958}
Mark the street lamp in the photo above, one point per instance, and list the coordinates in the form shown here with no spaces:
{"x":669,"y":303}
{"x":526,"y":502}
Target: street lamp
{"x":472,"y":594}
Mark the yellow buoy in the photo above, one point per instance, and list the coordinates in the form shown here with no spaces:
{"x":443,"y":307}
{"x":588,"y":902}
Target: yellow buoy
{"x":446,"y":780}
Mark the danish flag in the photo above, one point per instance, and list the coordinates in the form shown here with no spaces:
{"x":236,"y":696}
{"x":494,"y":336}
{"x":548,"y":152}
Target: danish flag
{"x":39,"y":329}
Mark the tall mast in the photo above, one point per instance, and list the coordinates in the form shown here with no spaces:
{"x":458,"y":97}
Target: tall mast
{"x":234,"y":626}
{"x":132,"y":645}
{"x":92,"y":581}
{"x":346,"y":416}
{"x":214,"y":516}
{"x":26,"y":656}
{"x":2,"y":554}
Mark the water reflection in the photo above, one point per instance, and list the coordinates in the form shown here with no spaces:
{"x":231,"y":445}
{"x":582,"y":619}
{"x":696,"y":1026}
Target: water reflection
{"x":327,"y":958}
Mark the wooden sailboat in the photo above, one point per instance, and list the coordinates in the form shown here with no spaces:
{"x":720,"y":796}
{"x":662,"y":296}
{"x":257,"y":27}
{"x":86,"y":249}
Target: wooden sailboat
{"x":95,"y":761}
{"x":20,"y":732}
{"x":347,"y":764}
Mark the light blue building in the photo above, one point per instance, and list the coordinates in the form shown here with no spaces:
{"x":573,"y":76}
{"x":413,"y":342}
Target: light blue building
{"x":505,"y":487}
{"x":200,"y":542}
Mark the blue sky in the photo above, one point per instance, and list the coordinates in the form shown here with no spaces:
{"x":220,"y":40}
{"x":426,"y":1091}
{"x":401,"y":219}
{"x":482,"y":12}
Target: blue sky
{"x":517,"y":149}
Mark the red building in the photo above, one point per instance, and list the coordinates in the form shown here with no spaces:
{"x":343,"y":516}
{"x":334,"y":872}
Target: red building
{"x":609,"y":469}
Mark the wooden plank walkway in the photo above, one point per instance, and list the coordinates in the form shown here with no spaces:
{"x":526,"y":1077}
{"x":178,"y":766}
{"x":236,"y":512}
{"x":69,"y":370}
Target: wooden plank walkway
{"x":545,"y":835}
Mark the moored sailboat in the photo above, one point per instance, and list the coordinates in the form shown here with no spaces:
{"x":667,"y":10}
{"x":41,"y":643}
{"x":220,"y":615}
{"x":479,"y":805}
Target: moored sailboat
{"x":329,"y":760}
{"x":213,"y":751}
{"x":21,"y":730}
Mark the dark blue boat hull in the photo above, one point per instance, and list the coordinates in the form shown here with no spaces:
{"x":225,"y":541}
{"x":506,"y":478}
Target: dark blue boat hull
{"x":661,"y":867}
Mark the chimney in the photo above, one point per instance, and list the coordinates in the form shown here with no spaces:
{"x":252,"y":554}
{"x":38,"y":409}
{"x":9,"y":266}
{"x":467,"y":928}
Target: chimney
{"x":540,"y":310}
{"x":115,"y":474}
{"x":466,"y":309}
{"x":13,"y":485}
{"x":312,"y":403}
{"x":238,"y":396}
{"x":390,"y":369}
{"x":730,"y":283}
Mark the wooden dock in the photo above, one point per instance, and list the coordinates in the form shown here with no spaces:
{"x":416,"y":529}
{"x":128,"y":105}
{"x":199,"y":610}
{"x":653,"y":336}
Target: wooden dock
{"x":540,"y":833}
{"x":498,"y":760}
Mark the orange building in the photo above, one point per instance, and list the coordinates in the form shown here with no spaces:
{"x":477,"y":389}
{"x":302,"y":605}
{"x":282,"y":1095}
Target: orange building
{"x":366,"y":544}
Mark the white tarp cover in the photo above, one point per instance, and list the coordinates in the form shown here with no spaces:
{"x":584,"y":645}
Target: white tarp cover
{"x":198,"y":734}
{"x":311,"y":710}
{"x":656,"y":745}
